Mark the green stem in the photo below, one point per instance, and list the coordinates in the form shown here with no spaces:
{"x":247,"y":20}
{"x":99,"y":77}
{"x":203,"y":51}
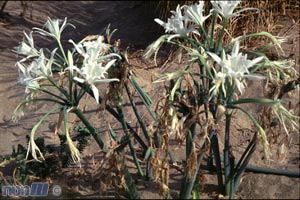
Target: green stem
{"x":176,"y":84}
{"x":149,"y":172}
{"x":91,"y":129}
{"x":62,"y":50}
{"x":70,"y":88}
{"x":226,"y":155}
{"x":70,"y":73}
{"x":192,"y":42}
{"x":203,"y":61}
{"x":137,"y":114}
{"x":40,"y":99}
{"x":238,"y":165}
{"x":133,"y":152}
{"x":256,"y":124}
{"x":212,"y":30}
{"x":219,"y":44}
{"x":204,"y":89}
{"x":205,"y":34}
{"x":216,"y":151}
{"x":50,"y":93}
{"x":263,"y":33}
{"x":144,"y":96}
{"x":81,"y":93}
{"x":62,"y":90}
{"x":229,"y":91}
{"x":242,"y":164}
{"x":202,"y":77}
{"x":195,"y":191}
{"x":115,"y":114}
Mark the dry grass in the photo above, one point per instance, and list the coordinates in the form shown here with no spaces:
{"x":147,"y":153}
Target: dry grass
{"x":264,"y":20}
{"x":248,"y":22}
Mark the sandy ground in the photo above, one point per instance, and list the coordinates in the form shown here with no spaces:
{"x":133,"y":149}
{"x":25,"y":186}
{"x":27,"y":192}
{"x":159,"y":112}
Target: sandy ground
{"x":136,"y":29}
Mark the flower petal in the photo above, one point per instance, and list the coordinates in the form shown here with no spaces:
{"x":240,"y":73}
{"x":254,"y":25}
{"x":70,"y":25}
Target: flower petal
{"x":95,"y":92}
{"x":80,"y":80}
{"x":256,"y":60}
{"x":215,"y":57}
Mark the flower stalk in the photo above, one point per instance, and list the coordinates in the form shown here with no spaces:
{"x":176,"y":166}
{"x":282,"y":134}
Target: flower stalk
{"x":227,"y":164}
{"x":92,"y":129}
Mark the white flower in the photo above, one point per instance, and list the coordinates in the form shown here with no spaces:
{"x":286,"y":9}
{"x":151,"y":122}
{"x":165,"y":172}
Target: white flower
{"x":26,"y":47}
{"x":98,"y":44}
{"x":53,"y":28}
{"x":284,"y":116}
{"x":225,"y":8}
{"x":92,"y":73}
{"x":218,"y":81}
{"x":91,"y":70}
{"x":25,"y":78}
{"x":177,"y":24}
{"x":39,"y":68}
{"x":92,"y":49}
{"x":236,"y":66}
{"x":42,"y":67}
{"x":195,"y":13}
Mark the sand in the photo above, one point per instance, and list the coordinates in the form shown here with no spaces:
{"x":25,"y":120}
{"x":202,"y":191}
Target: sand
{"x":136,"y":29}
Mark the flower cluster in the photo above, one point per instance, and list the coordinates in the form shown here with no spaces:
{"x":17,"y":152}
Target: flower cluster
{"x":87,"y":63}
{"x":177,"y":24}
{"x":184,"y":23}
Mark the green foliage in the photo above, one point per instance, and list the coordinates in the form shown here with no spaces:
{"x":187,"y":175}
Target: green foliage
{"x":53,"y":160}
{"x":24,"y":169}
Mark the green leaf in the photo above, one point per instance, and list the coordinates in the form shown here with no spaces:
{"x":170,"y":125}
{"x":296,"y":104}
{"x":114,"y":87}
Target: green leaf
{"x":260,"y":100}
{"x":148,"y":153}
{"x":143,"y":95}
{"x":171,"y":97}
{"x":130,"y":184}
{"x":113,"y":134}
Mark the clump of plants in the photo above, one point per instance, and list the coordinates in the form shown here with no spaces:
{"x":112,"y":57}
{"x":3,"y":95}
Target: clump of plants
{"x":211,"y":86}
{"x":62,"y":77}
